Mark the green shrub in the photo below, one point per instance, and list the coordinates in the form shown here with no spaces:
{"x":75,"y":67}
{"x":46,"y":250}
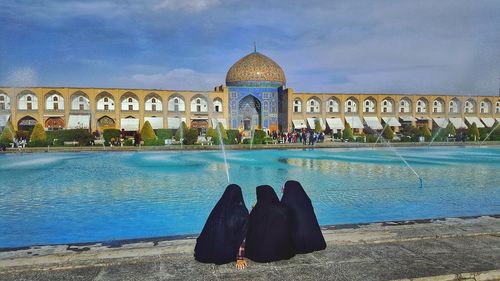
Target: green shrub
{"x":183,"y":128}
{"x":258,"y":137}
{"x":57,"y":138}
{"x":129,"y":142}
{"x":7,"y":136}
{"x":232,"y":136}
{"x":38,"y":136}
{"x":474,"y":132}
{"x":164,"y":134}
{"x":388,"y":133}
{"x":111,"y":133}
{"x":451,"y":129}
{"x":426,"y":133}
{"x":317,"y":126}
{"x":147,"y":131}
{"x":348,"y":135}
{"x":371,"y":138}
{"x":191,"y":136}
{"x":223,"y":132}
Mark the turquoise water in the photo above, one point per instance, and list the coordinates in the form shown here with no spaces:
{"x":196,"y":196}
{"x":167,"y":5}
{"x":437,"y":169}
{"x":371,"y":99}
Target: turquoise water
{"x":51,"y":198}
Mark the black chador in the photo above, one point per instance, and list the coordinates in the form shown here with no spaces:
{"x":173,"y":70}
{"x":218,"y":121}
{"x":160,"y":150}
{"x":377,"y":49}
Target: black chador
{"x":305,"y":230}
{"x":268,"y":236}
{"x":224,"y":230}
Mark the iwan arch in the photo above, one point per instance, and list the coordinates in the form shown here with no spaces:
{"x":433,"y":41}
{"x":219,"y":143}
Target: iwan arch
{"x":255,"y":96}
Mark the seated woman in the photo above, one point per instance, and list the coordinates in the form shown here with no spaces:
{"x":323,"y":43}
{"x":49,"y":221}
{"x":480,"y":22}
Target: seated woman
{"x":305,"y":230}
{"x":224,"y":231}
{"x":268,"y":234}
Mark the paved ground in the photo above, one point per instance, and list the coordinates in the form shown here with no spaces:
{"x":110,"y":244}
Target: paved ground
{"x":385,"y":251}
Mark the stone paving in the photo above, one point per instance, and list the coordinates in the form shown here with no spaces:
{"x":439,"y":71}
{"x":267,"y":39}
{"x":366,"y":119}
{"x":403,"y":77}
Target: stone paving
{"x":447,"y":249}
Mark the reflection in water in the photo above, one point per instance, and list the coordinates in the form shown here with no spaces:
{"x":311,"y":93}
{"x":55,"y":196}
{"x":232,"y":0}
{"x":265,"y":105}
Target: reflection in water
{"x":77,"y":197}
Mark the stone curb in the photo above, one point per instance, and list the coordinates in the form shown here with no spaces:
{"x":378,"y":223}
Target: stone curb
{"x":491,"y":275}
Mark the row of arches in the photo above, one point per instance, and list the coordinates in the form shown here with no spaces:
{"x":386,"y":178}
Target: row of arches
{"x":388,"y":105}
{"x":54,"y":101}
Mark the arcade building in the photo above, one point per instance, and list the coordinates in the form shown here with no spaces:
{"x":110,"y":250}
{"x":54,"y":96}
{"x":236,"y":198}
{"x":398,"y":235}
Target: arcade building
{"x":255,"y":97}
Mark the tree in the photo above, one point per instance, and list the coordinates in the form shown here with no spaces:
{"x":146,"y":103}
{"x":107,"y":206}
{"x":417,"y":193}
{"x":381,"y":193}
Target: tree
{"x":38,"y":136}
{"x":147,"y":132}
{"x":183,"y":128}
{"x":388,"y":133}
{"x":222,"y":130}
{"x":451,"y":129}
{"x":191,"y":136}
{"x":474,"y":131}
{"x":7,"y":136}
{"x":348,"y":132}
{"x":426,"y":133}
{"x":317,"y":126}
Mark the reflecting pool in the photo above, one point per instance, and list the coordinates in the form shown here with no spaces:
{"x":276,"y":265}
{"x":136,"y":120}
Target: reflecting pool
{"x":51,"y":198}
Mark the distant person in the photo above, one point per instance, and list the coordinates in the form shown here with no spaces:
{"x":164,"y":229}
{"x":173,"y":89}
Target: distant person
{"x":268,"y":235}
{"x":305,"y":230}
{"x":224,"y":230}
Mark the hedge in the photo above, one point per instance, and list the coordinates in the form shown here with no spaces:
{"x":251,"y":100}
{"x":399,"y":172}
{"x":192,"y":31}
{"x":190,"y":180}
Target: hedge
{"x":111,"y":133}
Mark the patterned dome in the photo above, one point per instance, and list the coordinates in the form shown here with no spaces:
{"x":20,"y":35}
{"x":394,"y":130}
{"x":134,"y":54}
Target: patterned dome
{"x":255,"y":69}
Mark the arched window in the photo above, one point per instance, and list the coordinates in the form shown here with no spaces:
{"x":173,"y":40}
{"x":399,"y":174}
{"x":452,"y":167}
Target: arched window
{"x":297,"y":105}
{"x":176,"y":104}
{"x":351,"y":105}
{"x":421,"y":106}
{"x":105,"y":102}
{"x":313,"y":105}
{"x":79,"y":101}
{"x":369,"y":105}
{"x":387,"y":105}
{"x":54,"y":101}
{"x":453,"y":106}
{"x":217,"y":105}
{"x":199,"y":104}
{"x":27,"y":101}
{"x":405,"y":105}
{"x":153,"y":103}
{"x":437,"y":106}
{"x":469,"y":106}
{"x":485,"y":106}
{"x":4,"y":102}
{"x":130,"y":102}
{"x":497,"y":107}
{"x":333,"y":105}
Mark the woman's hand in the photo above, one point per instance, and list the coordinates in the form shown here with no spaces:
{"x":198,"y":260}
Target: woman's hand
{"x":241,"y":264}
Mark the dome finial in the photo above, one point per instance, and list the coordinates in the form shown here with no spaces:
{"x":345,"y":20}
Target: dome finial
{"x":254,"y":47}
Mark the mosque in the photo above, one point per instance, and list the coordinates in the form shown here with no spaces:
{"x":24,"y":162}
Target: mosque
{"x":255,"y":96}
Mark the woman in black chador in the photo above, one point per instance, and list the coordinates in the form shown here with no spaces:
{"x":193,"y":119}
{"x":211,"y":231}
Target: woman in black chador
{"x":268,"y":235}
{"x":305,"y":230}
{"x":224,"y":230}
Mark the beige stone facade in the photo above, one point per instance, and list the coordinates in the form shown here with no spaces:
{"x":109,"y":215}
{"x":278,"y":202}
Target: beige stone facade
{"x":423,"y":108}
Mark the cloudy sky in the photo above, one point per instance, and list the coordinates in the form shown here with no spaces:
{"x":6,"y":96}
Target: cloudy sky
{"x":426,"y":46}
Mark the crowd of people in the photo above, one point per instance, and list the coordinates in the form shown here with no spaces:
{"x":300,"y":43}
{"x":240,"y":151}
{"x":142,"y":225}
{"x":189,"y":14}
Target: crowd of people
{"x":306,"y":137}
{"x":273,"y":230}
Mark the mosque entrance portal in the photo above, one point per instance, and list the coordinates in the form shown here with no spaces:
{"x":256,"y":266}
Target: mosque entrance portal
{"x":250,"y":113}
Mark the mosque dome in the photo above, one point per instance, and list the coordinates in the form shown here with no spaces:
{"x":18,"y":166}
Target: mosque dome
{"x":255,"y":70}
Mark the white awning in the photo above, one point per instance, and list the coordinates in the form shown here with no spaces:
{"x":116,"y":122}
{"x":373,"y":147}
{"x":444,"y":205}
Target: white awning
{"x":354,"y":122}
{"x":441,"y":122}
{"x":458,"y":123}
{"x":216,"y":121}
{"x":156,"y":122}
{"x":488,"y":121}
{"x":4,"y":118}
{"x":474,"y":119}
{"x":79,"y":121}
{"x":391,"y":121}
{"x":373,"y":123}
{"x":407,"y":118}
{"x":312,"y":123}
{"x":174,"y":122}
{"x":299,"y":124}
{"x":130,"y":124}
{"x":335,"y":123}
